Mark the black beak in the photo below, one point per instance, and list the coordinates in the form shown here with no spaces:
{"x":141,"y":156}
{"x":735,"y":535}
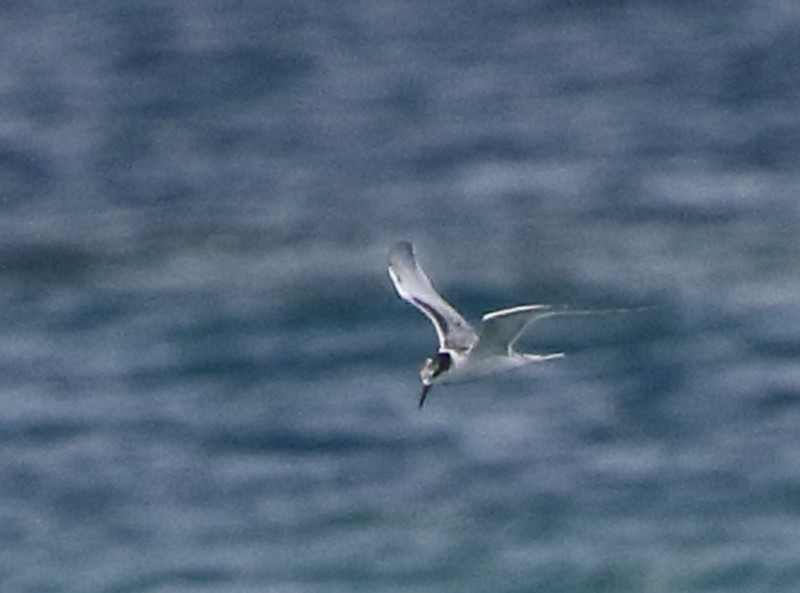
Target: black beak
{"x":423,"y":395}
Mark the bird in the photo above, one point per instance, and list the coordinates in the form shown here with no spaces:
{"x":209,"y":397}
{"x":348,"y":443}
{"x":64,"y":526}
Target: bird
{"x":463,"y":354}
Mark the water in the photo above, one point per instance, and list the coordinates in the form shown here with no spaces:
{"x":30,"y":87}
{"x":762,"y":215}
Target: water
{"x":208,"y":383}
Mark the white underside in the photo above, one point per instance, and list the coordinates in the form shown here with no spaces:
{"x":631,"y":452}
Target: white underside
{"x":469,"y":369}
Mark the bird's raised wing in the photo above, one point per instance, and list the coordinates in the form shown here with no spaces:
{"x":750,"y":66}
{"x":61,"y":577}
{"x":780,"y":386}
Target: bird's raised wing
{"x":414,"y":286}
{"x":500,"y":329}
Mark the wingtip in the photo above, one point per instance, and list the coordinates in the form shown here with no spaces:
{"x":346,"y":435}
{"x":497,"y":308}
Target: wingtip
{"x":400,"y":251}
{"x":403,"y":246}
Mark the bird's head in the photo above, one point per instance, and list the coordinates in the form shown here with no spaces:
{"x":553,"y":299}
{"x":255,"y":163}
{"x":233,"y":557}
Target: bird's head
{"x":433,"y":367}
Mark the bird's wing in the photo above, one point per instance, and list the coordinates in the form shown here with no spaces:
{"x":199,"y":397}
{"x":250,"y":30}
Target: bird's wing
{"x":414,"y":286}
{"x":500,"y":329}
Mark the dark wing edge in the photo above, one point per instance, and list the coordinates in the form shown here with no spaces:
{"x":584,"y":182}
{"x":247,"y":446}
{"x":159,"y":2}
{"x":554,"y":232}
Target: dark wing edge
{"x":414,"y":287}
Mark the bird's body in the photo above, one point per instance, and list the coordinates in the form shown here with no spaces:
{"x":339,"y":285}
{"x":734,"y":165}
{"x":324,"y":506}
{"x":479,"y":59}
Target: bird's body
{"x":463,"y":354}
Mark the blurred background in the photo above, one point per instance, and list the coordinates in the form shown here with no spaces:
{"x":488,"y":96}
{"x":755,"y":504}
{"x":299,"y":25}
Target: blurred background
{"x":208,"y":383}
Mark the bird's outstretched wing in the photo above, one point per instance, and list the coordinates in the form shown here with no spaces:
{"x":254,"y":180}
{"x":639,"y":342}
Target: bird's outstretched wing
{"x":415,"y":287}
{"x":500,"y":329}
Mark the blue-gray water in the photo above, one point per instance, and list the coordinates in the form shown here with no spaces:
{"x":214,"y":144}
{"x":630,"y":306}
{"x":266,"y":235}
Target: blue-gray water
{"x":208,"y":383}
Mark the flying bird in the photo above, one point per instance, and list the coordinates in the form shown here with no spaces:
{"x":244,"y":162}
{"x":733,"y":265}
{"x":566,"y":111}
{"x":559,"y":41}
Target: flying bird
{"x":463,"y":354}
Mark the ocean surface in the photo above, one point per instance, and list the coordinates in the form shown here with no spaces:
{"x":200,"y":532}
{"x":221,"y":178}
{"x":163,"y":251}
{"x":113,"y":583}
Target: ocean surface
{"x":207,"y":382}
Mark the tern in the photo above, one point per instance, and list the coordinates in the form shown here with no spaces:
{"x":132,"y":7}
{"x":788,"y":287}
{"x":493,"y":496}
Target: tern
{"x":463,"y":354}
